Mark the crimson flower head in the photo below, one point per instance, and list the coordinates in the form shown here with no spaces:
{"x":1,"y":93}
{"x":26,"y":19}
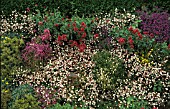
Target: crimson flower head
{"x":64,"y":37}
{"x":73,"y":43}
{"x":56,"y":25}
{"x":82,"y":29}
{"x":84,"y":35}
{"x":68,"y":25}
{"x":75,"y":29}
{"x":146,"y":32}
{"x":46,"y":31}
{"x":151,"y":35}
{"x":121,"y":40}
{"x":96,"y":35}
{"x":140,"y":36}
{"x":131,"y":46}
{"x":81,"y":47}
{"x":83,"y":24}
{"x":74,"y":24}
{"x":142,"y":108}
{"x":130,"y":40}
{"x":59,"y":38}
{"x":135,"y":31}
{"x":169,"y":46}
{"x":130,"y":28}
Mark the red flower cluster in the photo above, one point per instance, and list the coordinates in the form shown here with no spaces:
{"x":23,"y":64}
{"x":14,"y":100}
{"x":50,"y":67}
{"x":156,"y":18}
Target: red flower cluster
{"x":169,"y":46}
{"x":121,"y":41}
{"x":135,"y":31}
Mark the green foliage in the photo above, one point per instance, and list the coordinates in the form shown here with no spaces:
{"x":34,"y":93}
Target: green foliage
{"x":21,"y":91}
{"x":66,"y":106}
{"x":10,"y":56}
{"x":26,"y":102}
{"x":5,"y":98}
{"x":108,"y":70}
{"x":134,"y":103}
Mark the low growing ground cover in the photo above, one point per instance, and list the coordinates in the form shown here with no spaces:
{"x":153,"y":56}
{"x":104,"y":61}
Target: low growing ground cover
{"x":117,"y":61}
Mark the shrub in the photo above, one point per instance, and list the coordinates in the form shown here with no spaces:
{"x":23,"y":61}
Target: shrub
{"x":26,"y":102}
{"x":20,"y":92}
{"x":11,"y":59}
{"x":5,"y":96}
{"x":109,"y":70}
{"x":134,"y":103}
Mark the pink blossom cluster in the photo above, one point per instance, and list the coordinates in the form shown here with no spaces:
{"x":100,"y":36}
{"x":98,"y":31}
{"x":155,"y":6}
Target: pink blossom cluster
{"x":46,"y":35}
{"x":36,"y":51}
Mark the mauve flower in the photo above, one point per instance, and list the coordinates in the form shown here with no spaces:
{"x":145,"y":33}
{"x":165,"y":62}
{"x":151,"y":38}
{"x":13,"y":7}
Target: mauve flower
{"x":40,"y":23}
{"x":28,"y":9}
{"x":169,"y":46}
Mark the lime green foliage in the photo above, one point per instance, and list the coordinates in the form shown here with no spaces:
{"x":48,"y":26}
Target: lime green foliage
{"x":10,"y":55}
{"x":28,"y":102}
{"x":66,"y":106}
{"x":21,"y":91}
{"x":109,"y":70}
{"x":5,"y":98}
{"x":134,"y":103}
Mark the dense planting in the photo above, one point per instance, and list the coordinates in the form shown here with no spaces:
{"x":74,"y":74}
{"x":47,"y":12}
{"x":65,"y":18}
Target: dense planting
{"x":88,"y":57}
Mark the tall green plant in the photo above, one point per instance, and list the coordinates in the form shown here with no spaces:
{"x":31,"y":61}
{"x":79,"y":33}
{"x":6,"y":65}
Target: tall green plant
{"x":11,"y":59}
{"x":108,"y":70}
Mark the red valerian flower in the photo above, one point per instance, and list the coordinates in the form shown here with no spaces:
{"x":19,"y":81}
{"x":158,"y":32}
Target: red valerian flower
{"x":96,"y":35}
{"x":142,"y":108}
{"x":131,"y":46}
{"x":146,"y":32}
{"x":62,"y":19}
{"x":83,"y":35}
{"x":83,"y":24}
{"x":64,"y":37}
{"x":169,"y":46}
{"x":56,"y":25}
{"x":140,"y":35}
{"x":40,"y":23}
{"x":68,"y":25}
{"x":82,"y":29}
{"x":121,"y":40}
{"x":151,"y":35}
{"x":75,"y":29}
{"x":73,"y":43}
{"x":130,"y":40}
{"x":130,"y":28}
{"x":74,"y":24}
{"x":81,"y":47}
{"x":107,"y":21}
{"x":59,"y":38}
{"x":135,"y":31}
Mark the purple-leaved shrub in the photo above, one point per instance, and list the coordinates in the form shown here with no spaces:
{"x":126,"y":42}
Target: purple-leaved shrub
{"x":156,"y":23}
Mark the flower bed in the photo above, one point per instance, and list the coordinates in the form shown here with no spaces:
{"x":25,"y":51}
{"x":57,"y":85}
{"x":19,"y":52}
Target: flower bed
{"x":95,"y":63}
